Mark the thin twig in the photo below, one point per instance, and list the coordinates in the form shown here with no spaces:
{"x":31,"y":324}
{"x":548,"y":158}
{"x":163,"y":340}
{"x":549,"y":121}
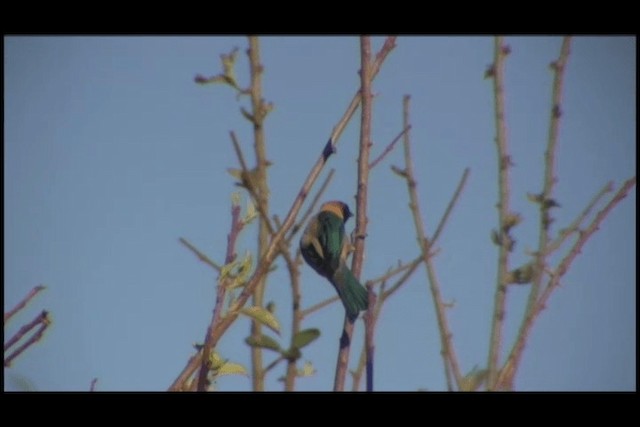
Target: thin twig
{"x":238,"y":150}
{"x":41,"y":319}
{"x":273,"y":364}
{"x":388,"y":148}
{"x":92,"y":387}
{"x":450,"y":206}
{"x":201,"y":256}
{"x":574,"y":227}
{"x":265,"y":230}
{"x":296,"y":315}
{"x":250,"y":180}
{"x":369,"y":334}
{"x":384,"y":295}
{"x":236,"y":227}
{"x":389,"y":45}
{"x":393,"y":271}
{"x":32,"y":293}
{"x":304,"y":313}
{"x":24,"y":329}
{"x":504,"y":163}
{"x":550,"y":179}
{"x":182,"y":383}
{"x":448,"y":353}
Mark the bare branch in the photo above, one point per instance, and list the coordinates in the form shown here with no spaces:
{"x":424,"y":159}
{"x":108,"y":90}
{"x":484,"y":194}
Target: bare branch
{"x":506,"y":245}
{"x":388,"y":148}
{"x":389,"y":45}
{"x":550,"y":179}
{"x":201,"y":256}
{"x":448,"y":353}
{"x":318,"y":306}
{"x":238,"y":150}
{"x":41,"y":319}
{"x":24,"y":302}
{"x":574,"y":227}
{"x":450,"y":206}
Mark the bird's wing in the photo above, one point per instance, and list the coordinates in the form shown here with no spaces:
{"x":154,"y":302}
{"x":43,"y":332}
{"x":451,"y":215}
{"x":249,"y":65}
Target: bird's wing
{"x":310,"y":238}
{"x":331,"y":237}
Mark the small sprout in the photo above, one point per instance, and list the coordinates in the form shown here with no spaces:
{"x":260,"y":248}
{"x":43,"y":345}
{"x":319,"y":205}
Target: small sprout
{"x":535,"y":198}
{"x":271,"y":307}
{"x":252,"y":213}
{"x":399,"y":172}
{"x":215,"y":361}
{"x":506,"y":162}
{"x":495,"y":238}
{"x":474,"y":379}
{"x":510,"y":242}
{"x":307,"y":370}
{"x":521,"y":275}
{"x":551,"y":203}
{"x":511,"y":220}
{"x":490,"y":71}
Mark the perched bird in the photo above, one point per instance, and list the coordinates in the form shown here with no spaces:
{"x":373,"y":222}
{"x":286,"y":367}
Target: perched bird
{"x":325,"y":248}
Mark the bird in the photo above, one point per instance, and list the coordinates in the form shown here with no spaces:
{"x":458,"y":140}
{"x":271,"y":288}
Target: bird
{"x":325,"y":247}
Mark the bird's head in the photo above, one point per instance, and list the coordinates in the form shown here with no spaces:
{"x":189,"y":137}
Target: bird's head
{"x":338,"y":208}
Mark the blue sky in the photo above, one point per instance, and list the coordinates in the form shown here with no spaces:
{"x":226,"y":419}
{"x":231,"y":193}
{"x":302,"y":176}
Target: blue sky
{"x":112,"y":153}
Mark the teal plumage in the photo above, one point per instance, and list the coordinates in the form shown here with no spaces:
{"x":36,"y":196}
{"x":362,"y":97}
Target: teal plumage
{"x":325,"y":248}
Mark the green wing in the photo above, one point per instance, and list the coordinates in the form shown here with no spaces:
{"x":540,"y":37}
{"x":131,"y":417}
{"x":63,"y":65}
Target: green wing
{"x":331,"y":238}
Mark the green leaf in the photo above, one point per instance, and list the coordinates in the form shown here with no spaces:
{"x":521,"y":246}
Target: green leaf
{"x":495,"y":238}
{"x":235,"y":198}
{"x":304,"y":338}
{"x":292,"y":354}
{"x":236,"y":173}
{"x":307,"y":370}
{"x":535,"y":198}
{"x":263,"y":341}
{"x":252,"y":212}
{"x":231,"y":368}
{"x":474,"y":379}
{"x":216,"y":360}
{"x":244,"y":269}
{"x":263,"y":316}
{"x":511,"y":220}
{"x":226,"y":270}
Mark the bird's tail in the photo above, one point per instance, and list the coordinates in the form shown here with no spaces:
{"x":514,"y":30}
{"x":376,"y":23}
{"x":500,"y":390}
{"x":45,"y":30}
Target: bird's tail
{"x":353,"y":295}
